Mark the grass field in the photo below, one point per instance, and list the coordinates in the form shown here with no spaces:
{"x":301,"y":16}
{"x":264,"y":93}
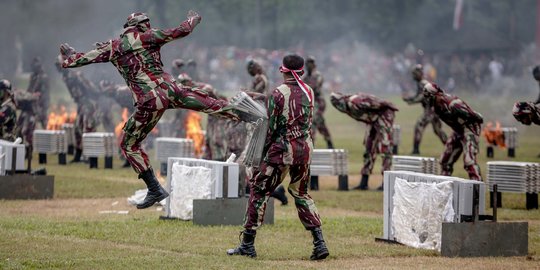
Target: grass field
{"x":69,"y":232}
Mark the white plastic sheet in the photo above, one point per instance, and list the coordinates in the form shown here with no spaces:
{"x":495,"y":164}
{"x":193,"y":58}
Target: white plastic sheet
{"x":187,"y":184}
{"x":419,"y":211}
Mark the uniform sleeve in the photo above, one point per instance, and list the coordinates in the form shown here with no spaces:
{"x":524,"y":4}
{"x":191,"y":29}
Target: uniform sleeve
{"x":419,"y":95}
{"x":275,"y":107}
{"x":98,"y":55}
{"x":160,"y":37}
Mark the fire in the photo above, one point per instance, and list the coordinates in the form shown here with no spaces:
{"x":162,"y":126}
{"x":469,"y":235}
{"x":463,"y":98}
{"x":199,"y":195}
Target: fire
{"x":494,"y":135}
{"x":118,"y":128}
{"x":59,"y":117}
{"x":194,"y":131}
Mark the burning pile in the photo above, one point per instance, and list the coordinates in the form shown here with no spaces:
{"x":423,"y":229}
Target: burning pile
{"x":58,"y":117}
{"x":194,"y":131}
{"x":505,"y":137}
{"x":118,"y":128}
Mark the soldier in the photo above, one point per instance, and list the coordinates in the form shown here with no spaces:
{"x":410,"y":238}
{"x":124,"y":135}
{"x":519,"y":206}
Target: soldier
{"x":536,"y":75}
{"x":527,"y":112}
{"x":428,"y":116}
{"x":379,"y":115}
{"x":260,"y":81}
{"x":288,"y":149}
{"x":39,"y":83}
{"x":315,"y":80}
{"x":191,"y":69}
{"x":26,"y":123}
{"x":177,"y":67}
{"x":8,"y":112}
{"x":466,"y":125}
{"x":84,"y":93}
{"x":136,"y":55}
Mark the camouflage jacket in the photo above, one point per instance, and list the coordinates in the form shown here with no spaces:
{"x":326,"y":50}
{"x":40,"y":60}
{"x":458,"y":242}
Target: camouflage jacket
{"x":136,"y":55}
{"x":39,"y":83}
{"x":8,"y":120}
{"x":290,"y":113}
{"x":363,"y":107}
{"x":457,"y":114}
{"x":120,"y":93}
{"x":315,"y":81}
{"x":79,"y":87}
{"x":419,"y":97}
{"x":26,"y":101}
{"x":259,"y":84}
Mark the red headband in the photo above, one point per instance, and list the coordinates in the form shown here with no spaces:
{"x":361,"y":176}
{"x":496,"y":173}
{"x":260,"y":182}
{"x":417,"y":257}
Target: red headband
{"x":302,"y":85}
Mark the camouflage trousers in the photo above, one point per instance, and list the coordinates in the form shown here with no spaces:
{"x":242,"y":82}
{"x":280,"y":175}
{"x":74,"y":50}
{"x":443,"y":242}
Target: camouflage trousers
{"x":86,"y":121}
{"x":150,"y":108}
{"x":426,"y":118}
{"x":378,"y":140}
{"x":319,"y":123}
{"x":267,"y":178}
{"x":215,"y":139}
{"x":466,"y":143}
{"x":26,"y":123}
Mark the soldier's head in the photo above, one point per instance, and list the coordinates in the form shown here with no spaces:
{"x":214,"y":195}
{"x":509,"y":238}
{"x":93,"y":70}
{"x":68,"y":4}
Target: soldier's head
{"x":253,"y":68}
{"x":178,"y":63}
{"x":522,"y":111}
{"x":36,"y":64}
{"x":339,"y":101}
{"x":417,"y":72}
{"x":139,"y":20}
{"x":5,"y":89}
{"x":184,"y":79}
{"x":191,"y":64}
{"x":310,"y":64}
{"x":536,"y":73}
{"x":292,"y":63}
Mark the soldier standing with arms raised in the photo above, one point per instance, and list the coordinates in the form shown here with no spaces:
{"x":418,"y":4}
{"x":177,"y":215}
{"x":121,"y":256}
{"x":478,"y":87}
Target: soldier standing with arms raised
{"x":136,"y":55}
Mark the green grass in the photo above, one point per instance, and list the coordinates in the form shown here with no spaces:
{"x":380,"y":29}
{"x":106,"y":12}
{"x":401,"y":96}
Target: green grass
{"x":69,"y":233}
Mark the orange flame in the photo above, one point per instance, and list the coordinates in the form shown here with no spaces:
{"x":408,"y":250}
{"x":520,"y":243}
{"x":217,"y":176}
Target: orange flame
{"x":58,"y":118}
{"x":494,"y":135}
{"x":194,"y":131}
{"x":118,"y":128}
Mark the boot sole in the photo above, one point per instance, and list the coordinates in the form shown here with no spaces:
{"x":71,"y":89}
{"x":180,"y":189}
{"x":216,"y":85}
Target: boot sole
{"x":159,"y":199}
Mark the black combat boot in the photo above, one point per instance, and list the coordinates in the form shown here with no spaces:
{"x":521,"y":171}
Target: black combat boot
{"x":247,"y":245}
{"x":329,"y":144}
{"x":77,"y":156}
{"x":320,"y":251}
{"x":363,"y":183}
{"x":279,"y":194}
{"x":416,"y":149}
{"x":156,"y":192}
{"x":381,"y":187}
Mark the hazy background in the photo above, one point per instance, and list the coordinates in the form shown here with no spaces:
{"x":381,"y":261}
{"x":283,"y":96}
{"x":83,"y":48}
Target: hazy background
{"x":366,"y":45}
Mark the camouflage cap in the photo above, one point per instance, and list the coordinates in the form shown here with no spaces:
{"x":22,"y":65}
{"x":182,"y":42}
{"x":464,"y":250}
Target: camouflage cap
{"x":136,"y":18}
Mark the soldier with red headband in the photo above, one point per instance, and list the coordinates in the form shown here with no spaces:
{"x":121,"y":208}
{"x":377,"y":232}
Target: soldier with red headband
{"x":428,"y":116}
{"x":315,"y":80}
{"x":379,"y":115}
{"x":136,"y":55}
{"x":466,"y":125}
{"x":288,"y":149}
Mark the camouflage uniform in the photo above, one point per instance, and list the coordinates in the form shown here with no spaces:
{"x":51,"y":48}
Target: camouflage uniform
{"x":8,"y":119}
{"x":527,"y":112}
{"x":315,"y":81}
{"x":84,"y":94}
{"x":260,"y":81}
{"x":427,"y":117}
{"x":39,"y":83}
{"x":466,"y":126}
{"x":288,"y":149}
{"x":120,"y":93}
{"x":379,"y":115}
{"x":26,"y":123}
{"x":136,"y":55}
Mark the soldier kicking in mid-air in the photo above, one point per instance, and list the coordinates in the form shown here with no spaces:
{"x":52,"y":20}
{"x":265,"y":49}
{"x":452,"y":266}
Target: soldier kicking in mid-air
{"x":136,"y":55}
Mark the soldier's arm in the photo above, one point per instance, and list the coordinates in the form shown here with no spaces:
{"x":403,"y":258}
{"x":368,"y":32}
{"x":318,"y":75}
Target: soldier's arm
{"x":275,"y":106}
{"x":159,"y":36}
{"x":74,"y":59}
{"x":259,"y":85}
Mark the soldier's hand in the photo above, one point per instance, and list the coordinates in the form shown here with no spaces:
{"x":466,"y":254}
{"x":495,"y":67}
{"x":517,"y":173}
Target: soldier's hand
{"x":194,"y":18}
